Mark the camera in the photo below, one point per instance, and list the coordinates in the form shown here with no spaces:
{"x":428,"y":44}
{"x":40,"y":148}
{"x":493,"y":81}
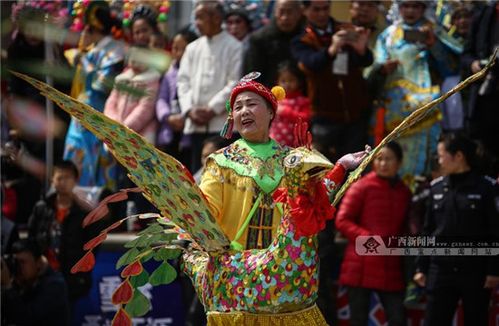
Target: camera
{"x":414,"y":36}
{"x":351,"y":36}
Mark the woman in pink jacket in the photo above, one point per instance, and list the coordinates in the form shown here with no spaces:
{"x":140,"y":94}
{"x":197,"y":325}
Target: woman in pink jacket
{"x":133,"y":98}
{"x":375,"y":205}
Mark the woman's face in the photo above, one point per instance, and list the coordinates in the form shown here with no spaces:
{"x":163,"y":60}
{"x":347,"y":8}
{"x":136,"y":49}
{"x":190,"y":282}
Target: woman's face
{"x":450,"y":163}
{"x":237,"y":26}
{"x":386,"y":163}
{"x":141,"y":32}
{"x":412,"y":11}
{"x":252,"y":117}
{"x":178,"y":47}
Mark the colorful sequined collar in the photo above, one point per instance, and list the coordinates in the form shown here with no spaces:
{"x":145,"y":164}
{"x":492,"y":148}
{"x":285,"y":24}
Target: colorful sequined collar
{"x":261,"y":162}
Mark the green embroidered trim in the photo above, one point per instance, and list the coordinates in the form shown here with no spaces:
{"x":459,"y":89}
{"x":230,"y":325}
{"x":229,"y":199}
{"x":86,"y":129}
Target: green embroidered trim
{"x":261,"y":162}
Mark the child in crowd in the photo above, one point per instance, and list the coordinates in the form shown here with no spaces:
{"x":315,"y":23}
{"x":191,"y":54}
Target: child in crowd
{"x":169,"y":138}
{"x":158,"y":41}
{"x":55,"y":226}
{"x":132,"y":100}
{"x":210,"y":145}
{"x":294,"y":107}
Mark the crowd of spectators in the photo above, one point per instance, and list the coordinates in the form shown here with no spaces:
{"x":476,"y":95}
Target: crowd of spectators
{"x":353,"y":81}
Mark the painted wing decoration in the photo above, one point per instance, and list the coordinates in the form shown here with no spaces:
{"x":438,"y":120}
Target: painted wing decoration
{"x":166,"y":183}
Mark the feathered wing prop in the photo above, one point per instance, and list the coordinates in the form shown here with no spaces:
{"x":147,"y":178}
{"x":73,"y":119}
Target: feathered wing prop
{"x":166,"y":183}
{"x":409,"y":122}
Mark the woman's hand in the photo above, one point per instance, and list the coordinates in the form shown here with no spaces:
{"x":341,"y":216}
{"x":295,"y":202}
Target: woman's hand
{"x":352,"y":161}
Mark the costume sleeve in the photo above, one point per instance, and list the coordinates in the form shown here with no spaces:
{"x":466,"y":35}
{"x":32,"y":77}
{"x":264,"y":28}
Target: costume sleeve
{"x":381,"y":54}
{"x":144,"y":112}
{"x":334,"y":179}
{"x":212,"y":188}
{"x":217,"y":102}
{"x":350,"y":211}
{"x":104,"y":77}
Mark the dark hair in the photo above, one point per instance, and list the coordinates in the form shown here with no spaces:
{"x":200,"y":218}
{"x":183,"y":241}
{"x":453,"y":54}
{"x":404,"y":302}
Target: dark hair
{"x":98,"y":17}
{"x":27,"y":245}
{"x":307,"y":3}
{"x":213,"y":5}
{"x":292,"y":67}
{"x":457,"y":142}
{"x":146,"y":13}
{"x":67,"y":165}
{"x":240,"y":12}
{"x":396,"y":149}
{"x":217,"y":141}
{"x":188,"y":35}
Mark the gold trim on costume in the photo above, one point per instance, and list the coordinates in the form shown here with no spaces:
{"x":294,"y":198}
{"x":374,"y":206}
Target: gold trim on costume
{"x":307,"y":317}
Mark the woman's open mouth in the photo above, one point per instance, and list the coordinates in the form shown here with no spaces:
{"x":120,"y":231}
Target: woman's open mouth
{"x":246,"y":122}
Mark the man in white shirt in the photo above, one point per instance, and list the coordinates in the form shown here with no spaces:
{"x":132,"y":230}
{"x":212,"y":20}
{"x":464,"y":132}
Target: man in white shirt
{"x":210,"y":68}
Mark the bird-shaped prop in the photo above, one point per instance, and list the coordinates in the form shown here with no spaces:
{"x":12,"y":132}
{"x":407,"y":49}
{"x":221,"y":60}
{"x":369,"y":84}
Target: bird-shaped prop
{"x":278,"y":279}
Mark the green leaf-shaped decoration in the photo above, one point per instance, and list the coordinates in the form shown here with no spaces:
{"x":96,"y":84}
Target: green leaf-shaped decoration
{"x":132,"y":243}
{"x":127,"y":257}
{"x":167,"y":237}
{"x":164,"y":254}
{"x":147,"y":256}
{"x":164,"y":274}
{"x":139,"y":280}
{"x":139,"y":305}
{"x":153,"y":239}
{"x":153,"y":228}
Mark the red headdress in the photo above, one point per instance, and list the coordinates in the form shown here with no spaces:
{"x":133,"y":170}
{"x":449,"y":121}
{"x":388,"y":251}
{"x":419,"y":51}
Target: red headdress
{"x":248,"y":84}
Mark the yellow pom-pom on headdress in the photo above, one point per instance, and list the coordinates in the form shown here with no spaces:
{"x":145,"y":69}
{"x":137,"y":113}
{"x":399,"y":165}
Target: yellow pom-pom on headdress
{"x":278,"y":92}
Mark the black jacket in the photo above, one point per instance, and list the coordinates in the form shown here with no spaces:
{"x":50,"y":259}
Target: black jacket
{"x":464,"y":206}
{"x":45,"y":303}
{"x":480,"y":47}
{"x":268,"y":47}
{"x":73,"y":237}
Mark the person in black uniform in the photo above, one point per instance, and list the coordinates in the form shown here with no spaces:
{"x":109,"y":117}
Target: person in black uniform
{"x":462,"y":204}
